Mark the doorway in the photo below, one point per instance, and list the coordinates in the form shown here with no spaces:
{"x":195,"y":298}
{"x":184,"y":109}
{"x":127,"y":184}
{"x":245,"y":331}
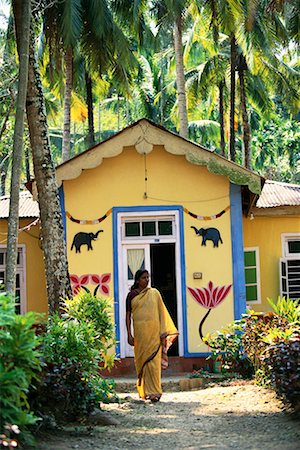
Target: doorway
{"x":163,"y":278}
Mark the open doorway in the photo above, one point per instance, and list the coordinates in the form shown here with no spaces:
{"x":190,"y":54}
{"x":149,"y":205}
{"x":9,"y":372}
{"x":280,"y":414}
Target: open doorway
{"x":163,"y":277}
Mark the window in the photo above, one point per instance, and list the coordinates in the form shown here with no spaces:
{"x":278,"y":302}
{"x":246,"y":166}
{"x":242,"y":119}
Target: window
{"x":148,"y":227}
{"x":290,"y":266}
{"x":20,"y":277}
{"x":252,"y":275}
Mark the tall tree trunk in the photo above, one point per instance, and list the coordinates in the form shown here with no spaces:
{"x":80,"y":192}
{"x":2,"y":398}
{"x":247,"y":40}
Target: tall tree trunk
{"x":221,"y":117}
{"x":89,"y":101}
{"x":66,"y":145}
{"x":22,"y":14}
{"x":162,"y":91}
{"x":55,"y":256}
{"x":27,"y":163}
{"x":233,"y":54}
{"x":3,"y":172}
{"x":246,"y":125}
{"x":180,"y":81}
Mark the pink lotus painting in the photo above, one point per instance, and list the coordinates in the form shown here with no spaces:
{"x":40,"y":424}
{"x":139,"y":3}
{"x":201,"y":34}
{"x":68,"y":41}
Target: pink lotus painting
{"x":209,"y":297}
{"x":101,"y":281}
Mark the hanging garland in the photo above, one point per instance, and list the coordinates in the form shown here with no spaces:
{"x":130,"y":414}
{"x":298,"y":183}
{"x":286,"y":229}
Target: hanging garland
{"x":215,"y":216}
{"x":89,"y":222}
{"x":96,"y":221}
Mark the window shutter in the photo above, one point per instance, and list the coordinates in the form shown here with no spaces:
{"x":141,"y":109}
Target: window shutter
{"x":290,"y":278}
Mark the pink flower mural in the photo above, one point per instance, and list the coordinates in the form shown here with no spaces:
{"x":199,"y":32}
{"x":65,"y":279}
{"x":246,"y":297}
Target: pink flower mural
{"x":79,"y":282}
{"x":209,"y":297}
{"x":101,"y":281}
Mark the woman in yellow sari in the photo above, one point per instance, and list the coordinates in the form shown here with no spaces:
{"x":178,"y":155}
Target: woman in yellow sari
{"x":154,"y":333}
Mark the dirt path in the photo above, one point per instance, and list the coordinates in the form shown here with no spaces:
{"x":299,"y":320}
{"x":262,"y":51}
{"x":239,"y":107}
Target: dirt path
{"x":237,"y":417}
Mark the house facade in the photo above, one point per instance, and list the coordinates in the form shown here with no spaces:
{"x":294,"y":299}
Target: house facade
{"x":146,"y":198}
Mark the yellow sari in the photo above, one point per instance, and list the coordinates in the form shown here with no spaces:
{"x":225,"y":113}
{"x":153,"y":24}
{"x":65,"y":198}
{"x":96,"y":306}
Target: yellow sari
{"x":154,"y":333}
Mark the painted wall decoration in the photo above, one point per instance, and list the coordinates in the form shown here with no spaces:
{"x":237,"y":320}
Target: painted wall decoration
{"x":214,"y":216}
{"x":209,"y":297}
{"x":79,"y":282}
{"x":209,"y":234}
{"x":88,"y":222}
{"x":84,"y":239}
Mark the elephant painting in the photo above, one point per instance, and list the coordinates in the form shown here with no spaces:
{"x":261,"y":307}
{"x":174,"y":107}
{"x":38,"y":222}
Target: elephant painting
{"x":84,"y":239}
{"x":209,"y":234}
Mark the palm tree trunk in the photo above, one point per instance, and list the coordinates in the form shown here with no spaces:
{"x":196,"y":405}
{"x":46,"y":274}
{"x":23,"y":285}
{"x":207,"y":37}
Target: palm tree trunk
{"x":55,"y":257}
{"x":221,"y":117}
{"x":3,"y":172}
{"x":66,"y":146}
{"x":27,"y":163}
{"x":180,"y":80}
{"x":232,"y":98}
{"x":22,"y":14}
{"x":246,"y":125}
{"x":89,"y":101}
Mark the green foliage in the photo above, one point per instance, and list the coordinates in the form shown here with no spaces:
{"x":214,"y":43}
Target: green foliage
{"x":282,"y":358}
{"x":86,"y":307}
{"x":287,"y":308}
{"x":19,"y":364}
{"x":226,"y":347}
{"x":73,"y":348}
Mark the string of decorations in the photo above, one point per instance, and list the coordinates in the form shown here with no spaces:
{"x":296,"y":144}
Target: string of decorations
{"x":89,"y":222}
{"x":214,"y":216}
{"x":26,"y":228}
{"x":195,"y":216}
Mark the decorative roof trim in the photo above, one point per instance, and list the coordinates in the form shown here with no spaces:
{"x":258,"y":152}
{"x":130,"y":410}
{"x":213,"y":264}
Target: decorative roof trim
{"x":144,"y":136}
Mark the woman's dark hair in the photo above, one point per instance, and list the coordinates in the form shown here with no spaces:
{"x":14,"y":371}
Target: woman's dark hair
{"x":137,"y":276}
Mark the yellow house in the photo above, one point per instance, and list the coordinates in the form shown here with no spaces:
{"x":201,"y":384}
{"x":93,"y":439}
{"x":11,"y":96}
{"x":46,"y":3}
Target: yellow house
{"x":147,"y":198}
{"x":272,"y":245}
{"x":30,"y":283}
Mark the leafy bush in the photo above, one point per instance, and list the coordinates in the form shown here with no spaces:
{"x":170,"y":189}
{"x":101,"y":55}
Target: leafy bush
{"x":227,"y":348}
{"x":97,"y":312}
{"x":73,"y":347}
{"x":19,"y":364}
{"x":283,"y":362}
{"x":286,"y":308}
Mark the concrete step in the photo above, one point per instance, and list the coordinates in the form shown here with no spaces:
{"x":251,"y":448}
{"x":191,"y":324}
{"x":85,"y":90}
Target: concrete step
{"x":171,"y":383}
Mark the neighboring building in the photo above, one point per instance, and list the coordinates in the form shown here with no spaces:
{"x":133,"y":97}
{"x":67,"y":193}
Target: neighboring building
{"x":272,"y":245}
{"x":30,"y":282}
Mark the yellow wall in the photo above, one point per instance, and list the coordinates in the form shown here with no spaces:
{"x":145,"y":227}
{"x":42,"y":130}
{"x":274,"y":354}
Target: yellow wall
{"x":35,"y":273}
{"x":120,"y":181}
{"x":265,"y":233}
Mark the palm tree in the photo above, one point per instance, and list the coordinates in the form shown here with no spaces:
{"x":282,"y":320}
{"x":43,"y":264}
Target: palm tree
{"x":55,"y":257}
{"x":22,"y":16}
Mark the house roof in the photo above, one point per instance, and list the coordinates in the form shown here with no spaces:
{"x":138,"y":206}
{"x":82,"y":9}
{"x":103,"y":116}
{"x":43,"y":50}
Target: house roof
{"x":144,"y":136}
{"x":27,"y":206}
{"x":276,"y":194}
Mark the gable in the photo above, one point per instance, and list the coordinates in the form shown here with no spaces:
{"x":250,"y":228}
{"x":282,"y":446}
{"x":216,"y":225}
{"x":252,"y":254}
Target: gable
{"x":144,"y":136}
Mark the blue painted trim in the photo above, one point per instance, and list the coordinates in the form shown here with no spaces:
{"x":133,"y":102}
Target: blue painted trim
{"x":61,"y":195}
{"x":115,"y":211}
{"x":116,"y":280}
{"x":237,"y":243}
{"x":197,"y":355}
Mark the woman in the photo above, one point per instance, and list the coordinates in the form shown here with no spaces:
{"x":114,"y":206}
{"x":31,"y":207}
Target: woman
{"x":154,"y":333}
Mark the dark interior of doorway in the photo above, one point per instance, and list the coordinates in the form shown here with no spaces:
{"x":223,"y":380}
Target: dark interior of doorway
{"x":163,"y":278}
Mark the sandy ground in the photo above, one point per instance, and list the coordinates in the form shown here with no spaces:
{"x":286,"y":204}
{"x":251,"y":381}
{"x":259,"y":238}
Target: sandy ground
{"x":237,"y":416}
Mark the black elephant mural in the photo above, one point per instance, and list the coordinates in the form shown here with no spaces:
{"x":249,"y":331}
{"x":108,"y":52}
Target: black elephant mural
{"x":209,"y":234}
{"x":84,"y":239}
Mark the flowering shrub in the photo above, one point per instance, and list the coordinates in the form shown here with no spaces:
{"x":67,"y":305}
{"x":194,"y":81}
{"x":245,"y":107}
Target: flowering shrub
{"x":226,"y":347}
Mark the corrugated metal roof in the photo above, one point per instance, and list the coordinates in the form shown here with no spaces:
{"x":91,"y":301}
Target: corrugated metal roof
{"x":27,"y":206}
{"x":275,"y":194}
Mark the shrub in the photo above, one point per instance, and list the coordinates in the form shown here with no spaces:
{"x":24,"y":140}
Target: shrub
{"x":19,"y":364}
{"x":227,"y":348}
{"x":286,"y":308}
{"x":283,"y":362}
{"x":97,"y":312}
{"x":73,"y":346}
